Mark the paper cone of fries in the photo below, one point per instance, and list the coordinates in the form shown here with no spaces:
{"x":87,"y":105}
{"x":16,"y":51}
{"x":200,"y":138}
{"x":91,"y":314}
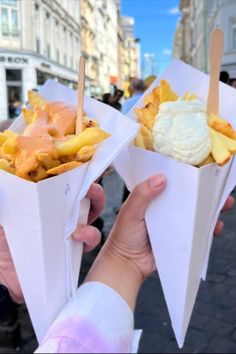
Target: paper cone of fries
{"x":181,"y":221}
{"x":39,"y":218}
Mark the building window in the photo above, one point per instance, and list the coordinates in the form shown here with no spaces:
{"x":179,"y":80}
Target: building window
{"x":65,"y":60}
{"x":14,"y":22}
{"x":49,"y":51}
{"x":9,"y":2}
{"x":38,"y":45}
{"x":58,"y":56}
{"x":233,"y":34}
{"x":10,"y":25}
{"x":42,"y":77}
{"x":5,"y":22}
{"x":14,"y":92}
{"x":13,"y":75}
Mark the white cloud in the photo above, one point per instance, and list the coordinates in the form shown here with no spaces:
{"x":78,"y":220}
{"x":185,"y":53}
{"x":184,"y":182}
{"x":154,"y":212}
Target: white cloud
{"x":173,"y":11}
{"x":167,"y":52}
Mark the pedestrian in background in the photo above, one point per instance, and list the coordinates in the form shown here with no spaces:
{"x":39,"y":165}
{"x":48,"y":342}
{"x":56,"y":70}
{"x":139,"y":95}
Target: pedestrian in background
{"x":224,"y":77}
{"x":106,"y":98}
{"x":115,"y":99}
{"x":137,"y":88}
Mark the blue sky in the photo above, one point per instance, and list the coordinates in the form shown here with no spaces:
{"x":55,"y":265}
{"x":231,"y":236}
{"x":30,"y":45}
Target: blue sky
{"x":155,"y":24}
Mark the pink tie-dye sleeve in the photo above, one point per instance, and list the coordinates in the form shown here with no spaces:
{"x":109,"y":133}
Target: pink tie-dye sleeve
{"x":98,"y":320}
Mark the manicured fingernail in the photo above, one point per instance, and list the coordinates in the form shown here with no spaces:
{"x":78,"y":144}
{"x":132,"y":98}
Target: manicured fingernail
{"x":157,"y":181}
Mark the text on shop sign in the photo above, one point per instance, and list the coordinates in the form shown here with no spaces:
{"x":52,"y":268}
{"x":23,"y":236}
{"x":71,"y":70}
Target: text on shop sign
{"x":14,"y":60}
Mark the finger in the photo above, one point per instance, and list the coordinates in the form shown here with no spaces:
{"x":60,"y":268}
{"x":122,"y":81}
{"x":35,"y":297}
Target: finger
{"x":219,"y":228}
{"x":140,"y":198}
{"x":89,"y":235}
{"x":228,"y":204}
{"x":98,"y":200}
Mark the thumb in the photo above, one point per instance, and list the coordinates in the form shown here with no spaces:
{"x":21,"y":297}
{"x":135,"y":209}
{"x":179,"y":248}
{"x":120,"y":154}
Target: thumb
{"x":142,"y":195}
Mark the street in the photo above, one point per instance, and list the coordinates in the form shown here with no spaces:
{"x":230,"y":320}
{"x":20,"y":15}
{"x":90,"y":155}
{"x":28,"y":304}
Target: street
{"x":213,"y":324}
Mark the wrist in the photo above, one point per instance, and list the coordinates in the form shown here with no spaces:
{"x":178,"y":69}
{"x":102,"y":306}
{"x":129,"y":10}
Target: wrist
{"x":118,"y":253}
{"x":118,"y":272}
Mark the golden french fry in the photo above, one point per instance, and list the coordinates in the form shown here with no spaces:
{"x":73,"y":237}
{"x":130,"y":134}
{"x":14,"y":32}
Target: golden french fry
{"x":147,"y":137}
{"x":86,"y":153}
{"x":9,"y":147}
{"x":36,"y":100}
{"x":219,"y":151}
{"x":147,"y":114}
{"x":207,"y":161}
{"x":165,"y":93}
{"x":28,"y":115}
{"x":38,"y":175}
{"x":6,"y":135}
{"x":153,"y":97}
{"x":229,"y":143}
{"x":3,"y":138}
{"x":189,"y":96}
{"x":222,"y":126}
{"x":72,"y":145}
{"x":47,"y":160}
{"x":69,"y":158}
{"x":6,"y":166}
{"x":9,"y":133}
{"x":64,"y":168}
{"x":139,"y":141}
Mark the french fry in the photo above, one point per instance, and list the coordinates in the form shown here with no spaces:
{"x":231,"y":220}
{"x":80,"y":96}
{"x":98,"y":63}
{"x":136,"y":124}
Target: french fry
{"x":189,"y":96}
{"x":72,"y":145}
{"x":147,"y":115}
{"x":153,"y":97}
{"x":64,"y":168}
{"x":9,"y":134}
{"x":147,"y":137}
{"x":3,"y":138}
{"x":165,"y":93}
{"x":47,"y":160}
{"x":36,"y":100}
{"x":219,"y":151}
{"x":86,"y":153}
{"x":139,"y":141}
{"x":9,"y":147}
{"x":6,"y":166}
{"x":207,"y":161}
{"x":66,"y":159}
{"x":222,"y":126}
{"x":38,"y":175}
{"x":28,"y":115}
{"x":229,"y":143}
{"x":47,"y":146}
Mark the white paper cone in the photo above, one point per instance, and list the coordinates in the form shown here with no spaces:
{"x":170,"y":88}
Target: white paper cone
{"x":40,"y":218}
{"x":181,"y":221}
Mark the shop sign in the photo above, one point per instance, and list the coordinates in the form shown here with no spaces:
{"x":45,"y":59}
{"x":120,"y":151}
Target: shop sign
{"x":14,"y":60}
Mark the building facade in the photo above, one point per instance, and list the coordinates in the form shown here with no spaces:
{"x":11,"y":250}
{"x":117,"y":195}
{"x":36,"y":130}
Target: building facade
{"x":39,"y":40}
{"x":130,"y":52}
{"x":99,"y":28}
{"x":182,"y":39}
{"x":192,"y":37}
{"x":43,"y":39}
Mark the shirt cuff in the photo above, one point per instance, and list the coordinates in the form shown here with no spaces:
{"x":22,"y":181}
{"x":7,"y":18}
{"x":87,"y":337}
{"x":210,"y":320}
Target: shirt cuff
{"x":97,"y":320}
